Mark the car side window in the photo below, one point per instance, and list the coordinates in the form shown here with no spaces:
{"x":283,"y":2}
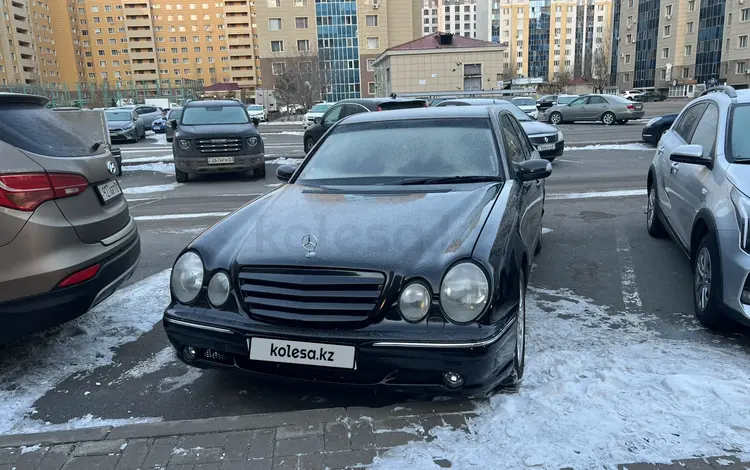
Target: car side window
{"x":350,"y":109}
{"x":706,"y":131}
{"x":513,"y":145}
{"x":333,"y":114}
{"x":689,"y":119}
{"x":596,"y":100}
{"x":523,"y":137}
{"x":579,"y":101}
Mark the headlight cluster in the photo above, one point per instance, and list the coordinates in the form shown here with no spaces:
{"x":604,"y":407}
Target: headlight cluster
{"x":742,"y":210}
{"x":187,"y":281}
{"x":559,"y":135}
{"x":252,"y":141}
{"x":128,"y":125}
{"x":464,"y":294}
{"x":184,"y":144}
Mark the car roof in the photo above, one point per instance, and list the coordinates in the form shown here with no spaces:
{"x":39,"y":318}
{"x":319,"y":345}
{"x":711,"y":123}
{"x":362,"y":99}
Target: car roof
{"x":445,"y":112}
{"x":476,"y":101}
{"x":198,"y":103}
{"x":377,"y":101}
{"x":20,"y":98}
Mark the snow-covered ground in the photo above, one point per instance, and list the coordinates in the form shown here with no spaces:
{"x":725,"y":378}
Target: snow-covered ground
{"x":600,"y":389}
{"x":633,"y":146}
{"x":157,"y":188}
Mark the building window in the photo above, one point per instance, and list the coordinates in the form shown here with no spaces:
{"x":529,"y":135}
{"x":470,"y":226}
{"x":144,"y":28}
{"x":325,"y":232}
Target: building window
{"x":374,"y":43}
{"x":690,"y":27}
{"x":686,"y":72}
{"x":300,"y":3}
{"x":691,"y":5}
{"x":303,"y":45}
{"x":626,"y":77}
{"x":663,"y":74}
{"x":370,"y":65}
{"x":301,"y":22}
{"x":689,"y":49}
{"x":274,"y":3}
{"x":740,"y":67}
{"x":668,"y":11}
{"x":665,"y":53}
{"x":277,"y":68}
{"x":277,"y":46}
{"x":742,"y":43}
{"x":746,"y":14}
{"x":274,"y":24}
{"x":627,"y":58}
{"x":667,"y":30}
{"x":371,"y":20}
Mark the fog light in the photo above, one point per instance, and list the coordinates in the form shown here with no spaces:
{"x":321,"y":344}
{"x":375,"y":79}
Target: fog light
{"x":189,"y":353}
{"x":453,"y":380}
{"x":745,"y":297}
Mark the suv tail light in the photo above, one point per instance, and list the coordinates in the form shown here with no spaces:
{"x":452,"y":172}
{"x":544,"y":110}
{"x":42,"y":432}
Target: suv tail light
{"x":631,"y":107}
{"x":27,"y":191}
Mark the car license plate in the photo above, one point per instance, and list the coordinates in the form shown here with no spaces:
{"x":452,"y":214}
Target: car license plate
{"x":296,"y":352}
{"x":543,"y":147}
{"x":220,"y":160}
{"x":109,"y":190}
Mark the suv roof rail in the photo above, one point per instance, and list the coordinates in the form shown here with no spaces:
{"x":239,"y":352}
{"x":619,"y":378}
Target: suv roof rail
{"x":729,"y":90}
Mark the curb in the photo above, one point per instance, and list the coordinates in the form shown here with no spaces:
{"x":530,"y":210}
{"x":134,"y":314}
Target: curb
{"x":237,"y":423}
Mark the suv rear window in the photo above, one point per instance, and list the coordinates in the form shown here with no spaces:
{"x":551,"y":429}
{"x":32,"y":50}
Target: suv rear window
{"x":391,"y":105}
{"x":40,"y":130}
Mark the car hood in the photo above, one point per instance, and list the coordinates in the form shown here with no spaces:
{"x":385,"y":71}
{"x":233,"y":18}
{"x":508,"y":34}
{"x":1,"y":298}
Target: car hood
{"x":223,"y":130}
{"x":358,"y":228}
{"x":527,"y":107}
{"x":536,"y":128}
{"x":739,"y":175}
{"x":314,"y":115}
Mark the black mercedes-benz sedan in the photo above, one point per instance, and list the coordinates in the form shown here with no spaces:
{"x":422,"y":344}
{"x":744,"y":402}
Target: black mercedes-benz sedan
{"x":548,"y":140}
{"x":395,"y":255}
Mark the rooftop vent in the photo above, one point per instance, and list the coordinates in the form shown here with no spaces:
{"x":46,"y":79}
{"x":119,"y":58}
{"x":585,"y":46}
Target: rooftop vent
{"x":446,"y":39}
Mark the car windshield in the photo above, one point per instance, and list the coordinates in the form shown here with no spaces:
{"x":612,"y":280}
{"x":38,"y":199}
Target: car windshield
{"x":371,"y":152}
{"x":739,"y":140}
{"x":118,"y":115}
{"x":214,"y":114}
{"x":523,"y":102}
{"x":255,"y":107}
{"x":566,"y":99}
{"x":175,"y":114}
{"x":321,"y":108}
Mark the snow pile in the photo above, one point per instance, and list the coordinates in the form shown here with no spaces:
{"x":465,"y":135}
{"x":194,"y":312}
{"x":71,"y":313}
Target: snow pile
{"x":166,"y":168}
{"x":633,"y":146}
{"x":36,"y":365}
{"x":160,"y":139}
{"x":285,"y":161}
{"x":157,"y":188}
{"x":129,"y":161}
{"x":600,"y":390}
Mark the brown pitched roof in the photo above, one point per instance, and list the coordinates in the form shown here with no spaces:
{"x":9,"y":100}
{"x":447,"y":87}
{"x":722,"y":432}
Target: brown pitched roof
{"x":432,"y":41}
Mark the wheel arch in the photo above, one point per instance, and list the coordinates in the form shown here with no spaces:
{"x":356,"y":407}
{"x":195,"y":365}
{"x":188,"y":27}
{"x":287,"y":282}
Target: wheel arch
{"x":703,"y":224}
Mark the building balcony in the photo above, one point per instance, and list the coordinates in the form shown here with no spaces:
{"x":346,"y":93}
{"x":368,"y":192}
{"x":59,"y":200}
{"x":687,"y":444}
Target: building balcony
{"x":27,"y":63}
{"x":147,"y":67}
{"x":140,"y":36}
{"x":137,"y":22}
{"x":138,"y":77}
{"x":241,"y":63}
{"x":244,"y":83}
{"x":236,"y":6}
{"x":239,"y":30}
{"x":136,"y":11}
{"x":142,"y":55}
{"x":240,"y":41}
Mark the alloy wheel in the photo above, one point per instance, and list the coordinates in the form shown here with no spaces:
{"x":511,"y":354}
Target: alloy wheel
{"x":555,"y":118}
{"x":608,"y":118}
{"x":703,"y":278}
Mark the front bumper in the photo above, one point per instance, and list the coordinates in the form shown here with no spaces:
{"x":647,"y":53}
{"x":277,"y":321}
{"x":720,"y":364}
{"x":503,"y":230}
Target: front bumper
{"x":36,"y":313}
{"x":200,"y":165}
{"x":129,"y":134}
{"x":556,"y":152}
{"x":221,"y":340}
{"x":735,"y":269}
{"x":650,"y":135}
{"x":158,"y":128}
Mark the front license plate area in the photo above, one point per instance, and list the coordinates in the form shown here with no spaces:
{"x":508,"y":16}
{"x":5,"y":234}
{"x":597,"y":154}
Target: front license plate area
{"x":108,"y":190}
{"x":543,"y":147}
{"x":298,"y":352}
{"x":220,"y":160}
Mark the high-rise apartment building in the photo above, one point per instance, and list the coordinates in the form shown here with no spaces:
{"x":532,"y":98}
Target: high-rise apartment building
{"x":27,"y":49}
{"x":344,"y":35}
{"x":549,"y":38}
{"x":673,"y":45}
{"x":468,"y":18}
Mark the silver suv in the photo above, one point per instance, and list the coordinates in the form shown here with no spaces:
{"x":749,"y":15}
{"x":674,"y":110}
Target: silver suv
{"x":699,"y":193}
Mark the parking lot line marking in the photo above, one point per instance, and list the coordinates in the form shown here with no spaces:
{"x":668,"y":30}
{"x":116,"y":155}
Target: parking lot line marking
{"x":598,"y":194}
{"x":200,"y":215}
{"x":630,"y":296}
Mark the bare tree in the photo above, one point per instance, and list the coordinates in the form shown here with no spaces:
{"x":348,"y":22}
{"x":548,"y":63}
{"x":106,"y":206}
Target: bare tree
{"x":600,"y":63}
{"x":510,"y":72}
{"x":97,"y":97}
{"x":564,"y":78}
{"x":300,"y":78}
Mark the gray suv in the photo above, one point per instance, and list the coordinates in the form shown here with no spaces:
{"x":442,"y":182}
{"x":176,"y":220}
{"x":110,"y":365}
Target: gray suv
{"x":699,"y":193}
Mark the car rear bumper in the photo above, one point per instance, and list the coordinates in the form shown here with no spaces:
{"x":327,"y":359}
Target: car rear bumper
{"x":36,"y":313}
{"x":631,"y":115}
{"x":735,"y":269}
{"x":200,"y":165}
{"x":222,"y":340}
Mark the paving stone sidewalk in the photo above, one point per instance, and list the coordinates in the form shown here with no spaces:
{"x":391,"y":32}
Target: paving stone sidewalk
{"x":334,"y":438}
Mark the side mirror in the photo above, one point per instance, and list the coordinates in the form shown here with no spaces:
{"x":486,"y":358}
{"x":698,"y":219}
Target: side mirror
{"x":532,"y":170}
{"x":285,"y":172}
{"x":173,"y":124}
{"x":690,"y":154}
{"x":256,"y":121}
{"x":318,"y":120}
{"x":135,"y":119}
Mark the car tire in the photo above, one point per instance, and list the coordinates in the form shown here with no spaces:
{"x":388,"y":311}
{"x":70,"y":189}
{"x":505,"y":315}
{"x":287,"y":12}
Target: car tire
{"x":608,"y":118}
{"x":654,"y":224}
{"x":513,"y":383}
{"x":622,"y":121}
{"x":260,"y":173}
{"x":309,"y":144}
{"x":181,"y":176}
{"x":555,"y":118}
{"x":707,"y":284}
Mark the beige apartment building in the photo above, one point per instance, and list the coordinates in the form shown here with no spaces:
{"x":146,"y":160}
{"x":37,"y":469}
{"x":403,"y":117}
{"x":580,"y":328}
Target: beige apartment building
{"x":27,"y":51}
{"x":656,"y":45}
{"x":439,"y":62}
{"x":344,"y":36}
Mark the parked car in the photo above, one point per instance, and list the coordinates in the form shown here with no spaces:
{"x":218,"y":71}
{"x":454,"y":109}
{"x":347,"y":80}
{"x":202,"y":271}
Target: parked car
{"x":173,"y":115}
{"x":560,"y":100}
{"x":349,"y":107}
{"x":159,"y":126}
{"x":527,"y":105}
{"x":125,"y":124}
{"x":437,"y":101}
{"x":546,"y":102}
{"x":631,"y":94}
{"x":649,"y":96}
{"x":216,"y":136}
{"x":317,"y":111}
{"x":547,"y":140}
{"x":458,"y":220}
{"x":148,"y":114}
{"x":67,"y":240}
{"x":258,"y":111}
{"x":657,"y":127}
{"x":699,"y":193}
{"x":609,"y":109}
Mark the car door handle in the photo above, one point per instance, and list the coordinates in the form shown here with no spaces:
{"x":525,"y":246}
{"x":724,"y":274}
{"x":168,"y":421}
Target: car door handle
{"x":660,"y":151}
{"x":538,"y":183}
{"x":675,"y":167}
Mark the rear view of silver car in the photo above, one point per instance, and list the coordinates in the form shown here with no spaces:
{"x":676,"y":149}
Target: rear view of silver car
{"x":67,"y":240}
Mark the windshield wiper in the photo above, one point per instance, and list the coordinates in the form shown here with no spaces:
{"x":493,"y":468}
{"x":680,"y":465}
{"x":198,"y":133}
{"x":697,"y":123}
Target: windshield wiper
{"x":447,"y":180}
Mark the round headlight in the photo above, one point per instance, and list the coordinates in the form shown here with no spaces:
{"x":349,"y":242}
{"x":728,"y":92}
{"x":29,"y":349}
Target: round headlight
{"x":187,"y":277}
{"x":184,"y":144}
{"x":218,"y":289}
{"x":414,"y":302}
{"x":464,"y":293}
{"x":253,"y":141}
